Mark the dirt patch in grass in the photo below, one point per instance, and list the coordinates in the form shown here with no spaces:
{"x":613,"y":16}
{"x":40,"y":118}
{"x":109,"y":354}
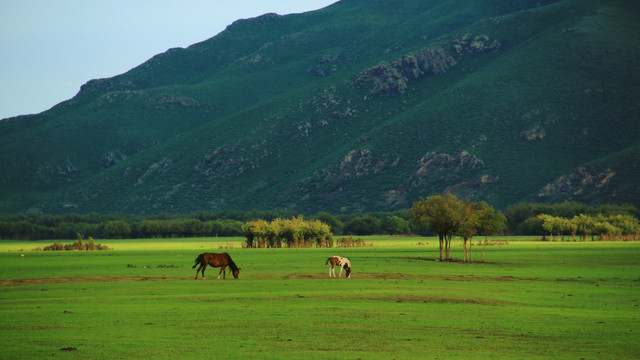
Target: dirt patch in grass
{"x":80,"y":279}
{"x":477,"y":260}
{"x":289,"y":276}
{"x":447,"y":299}
{"x":480,"y":278}
{"x":41,"y":327}
{"x":387,"y":276}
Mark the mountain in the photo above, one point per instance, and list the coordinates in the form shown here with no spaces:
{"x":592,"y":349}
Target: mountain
{"x":366,"y":105}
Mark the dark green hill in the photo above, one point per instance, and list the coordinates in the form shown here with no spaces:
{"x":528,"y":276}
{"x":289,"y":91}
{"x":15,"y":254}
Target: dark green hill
{"x":361,"y":106}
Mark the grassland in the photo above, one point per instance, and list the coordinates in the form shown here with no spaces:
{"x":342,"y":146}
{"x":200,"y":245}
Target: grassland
{"x":528,"y":300}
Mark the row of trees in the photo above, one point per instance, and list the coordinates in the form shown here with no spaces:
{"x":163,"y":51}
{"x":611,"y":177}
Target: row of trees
{"x":227,"y":223}
{"x":294,"y":232}
{"x":119,"y":229}
{"x":519,"y":216}
{"x":521,"y":219}
{"x":612,"y":227}
{"x":449,"y":216}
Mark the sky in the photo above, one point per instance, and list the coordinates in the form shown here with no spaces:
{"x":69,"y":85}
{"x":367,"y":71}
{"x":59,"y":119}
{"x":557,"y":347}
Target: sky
{"x":49,"y":48}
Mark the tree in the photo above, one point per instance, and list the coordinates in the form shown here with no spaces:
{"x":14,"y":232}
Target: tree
{"x":333,"y":222}
{"x":441,"y":214}
{"x":571,"y":227}
{"x":395,"y":225}
{"x":627,"y":224}
{"x":490,"y":222}
{"x":584,"y":225}
{"x":548,"y":224}
{"x":116,"y":229}
{"x":467,"y":227}
{"x":193,"y":227}
{"x":363,"y":225}
{"x":260,"y":230}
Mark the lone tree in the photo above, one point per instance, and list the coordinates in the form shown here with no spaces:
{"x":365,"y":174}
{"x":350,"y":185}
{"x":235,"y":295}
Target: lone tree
{"x":448,"y":217}
{"x":442,"y":214}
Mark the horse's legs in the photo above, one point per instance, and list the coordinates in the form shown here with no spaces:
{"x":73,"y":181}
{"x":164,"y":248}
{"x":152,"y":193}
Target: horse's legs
{"x":197,"y":271}
{"x":331,"y":270}
{"x":221,"y":272}
{"x":201,"y":268}
{"x":341,"y":267}
{"x":204,"y":267}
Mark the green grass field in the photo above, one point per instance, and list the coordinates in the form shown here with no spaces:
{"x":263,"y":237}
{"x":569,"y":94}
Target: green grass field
{"x":528,"y":300}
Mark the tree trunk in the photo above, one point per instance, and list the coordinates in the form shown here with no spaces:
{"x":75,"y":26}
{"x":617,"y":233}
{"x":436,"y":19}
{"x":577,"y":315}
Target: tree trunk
{"x":471,"y":251}
{"x":441,"y":248}
{"x":464,"y":245}
{"x":486,"y":242}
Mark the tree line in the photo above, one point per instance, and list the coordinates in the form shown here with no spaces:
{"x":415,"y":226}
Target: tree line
{"x":521,"y":219}
{"x":451,"y":217}
{"x":612,"y":227}
{"x":203,"y":224}
{"x":570,"y":218}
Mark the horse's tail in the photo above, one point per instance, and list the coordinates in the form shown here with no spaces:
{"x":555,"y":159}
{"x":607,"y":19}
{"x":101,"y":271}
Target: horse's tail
{"x":199,"y":260}
{"x":326,"y":262}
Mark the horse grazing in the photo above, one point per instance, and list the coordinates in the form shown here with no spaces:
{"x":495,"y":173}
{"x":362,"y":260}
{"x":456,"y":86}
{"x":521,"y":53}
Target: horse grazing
{"x":216,"y":260}
{"x":339,"y":261}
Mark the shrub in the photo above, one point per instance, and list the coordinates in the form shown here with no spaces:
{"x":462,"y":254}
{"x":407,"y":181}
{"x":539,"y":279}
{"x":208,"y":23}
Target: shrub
{"x":77,"y":245}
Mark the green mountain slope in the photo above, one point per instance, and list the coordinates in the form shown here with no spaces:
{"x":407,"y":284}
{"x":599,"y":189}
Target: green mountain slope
{"x":361,"y":106}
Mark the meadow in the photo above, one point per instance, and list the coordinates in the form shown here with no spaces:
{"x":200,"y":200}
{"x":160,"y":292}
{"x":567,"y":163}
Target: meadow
{"x":530,"y":299}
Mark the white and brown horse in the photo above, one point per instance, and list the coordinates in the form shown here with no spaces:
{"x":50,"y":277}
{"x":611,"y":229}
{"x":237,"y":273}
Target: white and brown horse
{"x":339,"y":261}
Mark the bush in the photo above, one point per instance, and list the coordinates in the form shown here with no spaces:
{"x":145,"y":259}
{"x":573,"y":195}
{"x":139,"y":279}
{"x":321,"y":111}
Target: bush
{"x":77,"y":245}
{"x":351,"y":242}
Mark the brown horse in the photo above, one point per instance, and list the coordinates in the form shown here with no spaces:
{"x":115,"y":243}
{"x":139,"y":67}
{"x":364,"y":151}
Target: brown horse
{"x":339,"y":261}
{"x":216,"y":260}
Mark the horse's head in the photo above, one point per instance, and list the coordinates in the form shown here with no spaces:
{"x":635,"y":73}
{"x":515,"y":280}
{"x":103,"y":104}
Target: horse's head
{"x":236,"y":273}
{"x":348,"y":271}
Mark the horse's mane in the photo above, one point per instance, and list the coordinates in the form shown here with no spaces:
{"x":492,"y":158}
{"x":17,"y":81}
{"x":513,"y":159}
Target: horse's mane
{"x":232,"y":264}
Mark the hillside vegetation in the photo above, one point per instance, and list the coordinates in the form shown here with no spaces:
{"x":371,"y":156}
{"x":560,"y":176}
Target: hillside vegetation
{"x":360,"y":106}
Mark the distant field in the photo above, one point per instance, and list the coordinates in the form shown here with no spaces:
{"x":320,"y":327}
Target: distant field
{"x":538,"y":300}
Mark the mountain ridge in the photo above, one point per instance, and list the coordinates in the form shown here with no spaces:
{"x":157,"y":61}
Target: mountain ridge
{"x":371,"y":122}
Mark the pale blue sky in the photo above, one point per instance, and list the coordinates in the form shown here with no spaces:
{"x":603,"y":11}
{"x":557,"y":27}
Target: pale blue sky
{"x":49,"y":48}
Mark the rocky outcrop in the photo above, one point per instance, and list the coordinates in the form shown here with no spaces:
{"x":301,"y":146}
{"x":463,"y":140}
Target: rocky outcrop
{"x":393,"y":78}
{"x":182,"y":101}
{"x":156,"y":169}
{"x":326,"y":65}
{"x":425,"y":62}
{"x":536,"y":132}
{"x":106,"y":85}
{"x":470,"y":43}
{"x":356,"y":163}
{"x":109,"y":159}
{"x":578,"y":182}
{"x":472,"y":188}
{"x":383,"y":78}
{"x":444,"y":166}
